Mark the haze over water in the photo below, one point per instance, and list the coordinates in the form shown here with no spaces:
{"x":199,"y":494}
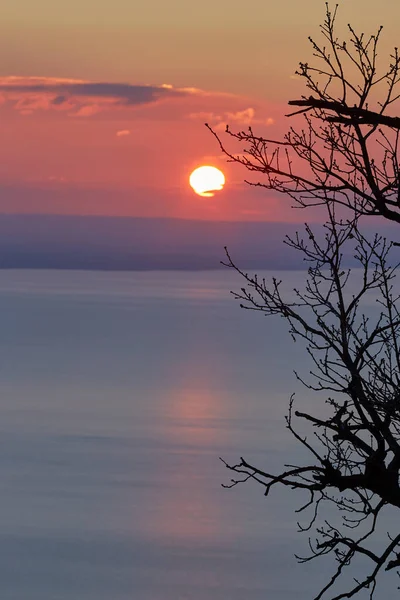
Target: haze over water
{"x":119,"y":391}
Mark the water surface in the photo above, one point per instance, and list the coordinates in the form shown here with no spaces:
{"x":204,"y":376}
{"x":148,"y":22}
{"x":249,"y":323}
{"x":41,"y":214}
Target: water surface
{"x":119,"y":393}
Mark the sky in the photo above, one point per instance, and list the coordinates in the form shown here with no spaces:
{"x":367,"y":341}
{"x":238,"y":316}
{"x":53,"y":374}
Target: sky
{"x":103,"y":104}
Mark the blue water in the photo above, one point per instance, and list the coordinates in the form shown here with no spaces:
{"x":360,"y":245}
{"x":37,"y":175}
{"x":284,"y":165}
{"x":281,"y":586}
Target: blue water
{"x":119,"y":392}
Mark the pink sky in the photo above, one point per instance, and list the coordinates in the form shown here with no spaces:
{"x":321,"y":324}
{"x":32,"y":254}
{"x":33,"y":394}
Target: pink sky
{"x":102,"y":105}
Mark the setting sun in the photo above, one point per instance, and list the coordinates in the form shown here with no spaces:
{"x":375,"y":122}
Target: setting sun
{"x":207,"y":180}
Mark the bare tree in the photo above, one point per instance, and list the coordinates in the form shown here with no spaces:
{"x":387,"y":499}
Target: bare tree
{"x":346,"y":150}
{"x":348,"y":157}
{"x":354,"y":460}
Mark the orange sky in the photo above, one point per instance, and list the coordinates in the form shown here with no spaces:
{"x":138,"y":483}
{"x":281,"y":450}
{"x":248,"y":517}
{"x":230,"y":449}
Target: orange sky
{"x":89,"y":126}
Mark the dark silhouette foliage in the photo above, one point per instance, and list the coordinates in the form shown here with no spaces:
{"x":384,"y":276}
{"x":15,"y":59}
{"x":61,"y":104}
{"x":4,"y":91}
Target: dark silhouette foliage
{"x":345,"y":158}
{"x":346,"y":150}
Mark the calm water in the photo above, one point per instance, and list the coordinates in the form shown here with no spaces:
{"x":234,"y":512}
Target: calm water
{"x":119,"y":391}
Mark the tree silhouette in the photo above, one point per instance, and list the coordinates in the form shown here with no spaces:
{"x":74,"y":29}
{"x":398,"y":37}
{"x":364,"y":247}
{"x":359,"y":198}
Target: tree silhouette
{"x":345,"y":152}
{"x":344,"y":157}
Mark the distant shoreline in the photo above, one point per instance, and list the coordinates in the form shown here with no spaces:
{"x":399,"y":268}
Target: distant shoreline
{"x":144,"y":244}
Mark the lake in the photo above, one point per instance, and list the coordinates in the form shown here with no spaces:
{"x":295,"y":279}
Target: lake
{"x":119,"y":393}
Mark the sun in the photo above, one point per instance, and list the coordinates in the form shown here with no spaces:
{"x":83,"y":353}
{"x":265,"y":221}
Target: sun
{"x":207,"y":180}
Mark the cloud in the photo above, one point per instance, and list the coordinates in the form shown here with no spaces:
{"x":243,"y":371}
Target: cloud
{"x":243,"y":117}
{"x":87,"y":110}
{"x":59,"y":100}
{"x":123,"y":133}
{"x":83,"y":98}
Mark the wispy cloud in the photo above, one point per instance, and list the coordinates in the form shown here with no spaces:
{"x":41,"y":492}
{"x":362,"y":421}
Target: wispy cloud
{"x":123,"y":133}
{"x":80,"y":98}
{"x":83,"y":98}
{"x":245,"y":117}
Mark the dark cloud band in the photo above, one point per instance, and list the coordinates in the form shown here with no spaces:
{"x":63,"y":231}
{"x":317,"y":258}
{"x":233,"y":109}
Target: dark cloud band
{"x":125,"y":93}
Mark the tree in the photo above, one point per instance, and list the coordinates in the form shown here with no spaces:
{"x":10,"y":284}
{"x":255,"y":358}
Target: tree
{"x":348,"y":153}
{"x":346,"y":159}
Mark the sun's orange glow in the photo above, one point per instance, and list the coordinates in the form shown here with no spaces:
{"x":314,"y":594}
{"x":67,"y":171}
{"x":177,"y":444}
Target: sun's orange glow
{"x":207,"y":180}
